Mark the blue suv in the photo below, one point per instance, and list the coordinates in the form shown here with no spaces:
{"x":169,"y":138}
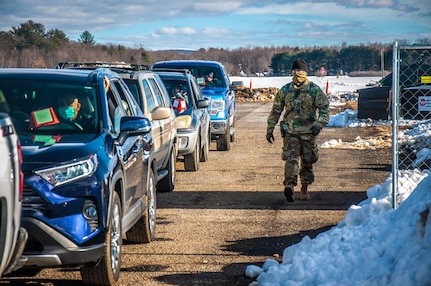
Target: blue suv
{"x":215,"y":85}
{"x":88,"y":168}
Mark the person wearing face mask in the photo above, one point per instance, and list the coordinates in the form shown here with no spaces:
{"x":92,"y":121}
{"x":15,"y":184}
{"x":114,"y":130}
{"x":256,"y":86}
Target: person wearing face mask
{"x":306,"y":111}
{"x":69,"y":111}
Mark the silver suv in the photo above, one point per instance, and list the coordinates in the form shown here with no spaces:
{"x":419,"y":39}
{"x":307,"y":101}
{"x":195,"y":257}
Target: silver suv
{"x":152,"y":96}
{"x":12,"y":236}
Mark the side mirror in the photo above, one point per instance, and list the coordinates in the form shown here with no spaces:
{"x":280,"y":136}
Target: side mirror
{"x":203,"y":103}
{"x":160,"y":113}
{"x":133,"y":126}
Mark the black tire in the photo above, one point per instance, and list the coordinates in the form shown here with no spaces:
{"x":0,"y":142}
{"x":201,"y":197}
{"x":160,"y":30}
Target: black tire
{"x":223,"y":142}
{"x":191,"y":161}
{"x":205,"y":152}
{"x":167,"y":184}
{"x":107,"y":270}
{"x":144,"y":230}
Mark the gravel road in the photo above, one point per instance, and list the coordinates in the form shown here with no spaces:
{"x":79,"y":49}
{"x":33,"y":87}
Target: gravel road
{"x":232,"y":212}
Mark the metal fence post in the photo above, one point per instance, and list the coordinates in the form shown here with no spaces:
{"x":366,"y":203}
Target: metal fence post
{"x":395,"y":117}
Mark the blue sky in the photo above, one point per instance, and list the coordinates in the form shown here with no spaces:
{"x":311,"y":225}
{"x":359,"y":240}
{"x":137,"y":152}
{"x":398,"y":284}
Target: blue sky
{"x":188,"y":24}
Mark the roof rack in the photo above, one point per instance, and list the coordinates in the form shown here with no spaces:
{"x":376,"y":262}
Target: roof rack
{"x":101,"y":64}
{"x":167,"y":69}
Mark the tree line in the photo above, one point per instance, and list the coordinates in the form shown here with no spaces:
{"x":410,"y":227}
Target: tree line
{"x":31,"y":45}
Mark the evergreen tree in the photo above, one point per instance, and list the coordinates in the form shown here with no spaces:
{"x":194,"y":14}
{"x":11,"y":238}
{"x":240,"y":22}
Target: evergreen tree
{"x":87,"y":38}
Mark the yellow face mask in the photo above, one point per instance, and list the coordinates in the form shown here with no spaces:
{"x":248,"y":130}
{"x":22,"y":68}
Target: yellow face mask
{"x":299,"y":78}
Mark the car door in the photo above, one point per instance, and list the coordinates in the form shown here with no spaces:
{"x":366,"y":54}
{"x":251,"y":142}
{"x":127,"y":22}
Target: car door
{"x":169,"y":128}
{"x":130,"y":153}
{"x":155,"y":101}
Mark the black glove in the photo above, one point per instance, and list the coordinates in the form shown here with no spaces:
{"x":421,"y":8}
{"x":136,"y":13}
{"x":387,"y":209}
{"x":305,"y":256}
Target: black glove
{"x":270,"y":137}
{"x":315,"y":130}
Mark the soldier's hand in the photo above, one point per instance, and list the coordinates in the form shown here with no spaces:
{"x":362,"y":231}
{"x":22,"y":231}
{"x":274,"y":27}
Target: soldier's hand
{"x":270,"y":137}
{"x":315,"y":130}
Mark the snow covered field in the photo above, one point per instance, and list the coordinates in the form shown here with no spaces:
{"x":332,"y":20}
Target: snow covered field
{"x":374,"y":244}
{"x":336,"y":85}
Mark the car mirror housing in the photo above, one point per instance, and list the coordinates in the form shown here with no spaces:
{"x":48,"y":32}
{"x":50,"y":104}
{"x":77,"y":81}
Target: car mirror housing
{"x":136,"y":124}
{"x":133,"y":126}
{"x":204,"y":103}
{"x":160,"y":113}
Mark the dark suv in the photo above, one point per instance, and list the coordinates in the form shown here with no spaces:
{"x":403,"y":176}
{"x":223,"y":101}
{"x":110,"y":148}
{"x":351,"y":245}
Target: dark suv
{"x":87,"y":163}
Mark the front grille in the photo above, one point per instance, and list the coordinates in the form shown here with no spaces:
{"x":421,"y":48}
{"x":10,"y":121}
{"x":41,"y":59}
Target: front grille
{"x":32,"y":200}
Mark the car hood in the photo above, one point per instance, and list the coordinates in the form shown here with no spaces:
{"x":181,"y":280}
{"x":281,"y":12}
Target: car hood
{"x":43,"y":150}
{"x":214,"y":92}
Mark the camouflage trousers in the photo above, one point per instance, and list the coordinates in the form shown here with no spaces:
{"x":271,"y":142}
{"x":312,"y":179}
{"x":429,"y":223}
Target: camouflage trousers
{"x":300,"y":153}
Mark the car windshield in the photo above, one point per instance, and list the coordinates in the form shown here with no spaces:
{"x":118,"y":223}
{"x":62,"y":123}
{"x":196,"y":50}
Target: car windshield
{"x":47,"y":107}
{"x":178,"y":89}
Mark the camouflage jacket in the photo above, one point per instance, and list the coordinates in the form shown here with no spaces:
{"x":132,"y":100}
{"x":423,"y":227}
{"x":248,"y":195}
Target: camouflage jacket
{"x":303,"y":108}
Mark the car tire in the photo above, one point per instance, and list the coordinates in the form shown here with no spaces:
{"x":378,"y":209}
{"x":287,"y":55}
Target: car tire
{"x":223,"y":142}
{"x":144,"y":230}
{"x":205,"y":152}
{"x":167,"y":184}
{"x":107,"y":270}
{"x":191,"y":161}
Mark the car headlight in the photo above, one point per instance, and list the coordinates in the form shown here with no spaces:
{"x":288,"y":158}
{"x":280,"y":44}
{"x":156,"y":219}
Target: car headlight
{"x":217,"y":106}
{"x":69,"y":172}
{"x":184,"y":121}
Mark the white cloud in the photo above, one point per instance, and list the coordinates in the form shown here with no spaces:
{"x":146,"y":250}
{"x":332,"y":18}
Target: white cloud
{"x":175,"y":31}
{"x":233,"y":24}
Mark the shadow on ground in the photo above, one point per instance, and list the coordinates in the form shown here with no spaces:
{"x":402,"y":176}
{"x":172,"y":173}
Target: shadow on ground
{"x":328,"y":200}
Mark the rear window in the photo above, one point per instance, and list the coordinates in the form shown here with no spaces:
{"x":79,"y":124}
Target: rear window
{"x":201,"y":73}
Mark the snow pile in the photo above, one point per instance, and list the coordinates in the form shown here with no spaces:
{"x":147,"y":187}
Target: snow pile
{"x":359,"y":143}
{"x":374,"y":244}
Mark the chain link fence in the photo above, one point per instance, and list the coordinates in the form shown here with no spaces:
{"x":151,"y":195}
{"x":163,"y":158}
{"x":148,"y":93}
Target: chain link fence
{"x":411,"y":102}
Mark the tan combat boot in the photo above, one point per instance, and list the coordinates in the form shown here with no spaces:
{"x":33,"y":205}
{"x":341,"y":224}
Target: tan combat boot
{"x":288,"y":193}
{"x":304,"y":195}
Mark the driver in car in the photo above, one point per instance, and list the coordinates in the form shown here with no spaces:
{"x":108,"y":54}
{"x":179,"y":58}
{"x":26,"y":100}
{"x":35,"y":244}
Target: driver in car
{"x":210,"y":80}
{"x":68,"y":110}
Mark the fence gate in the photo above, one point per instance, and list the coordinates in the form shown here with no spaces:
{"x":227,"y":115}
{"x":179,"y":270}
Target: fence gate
{"x":411,"y":102}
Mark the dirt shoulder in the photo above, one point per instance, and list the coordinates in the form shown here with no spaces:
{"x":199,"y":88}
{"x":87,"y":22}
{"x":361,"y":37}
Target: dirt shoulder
{"x":232,"y":212}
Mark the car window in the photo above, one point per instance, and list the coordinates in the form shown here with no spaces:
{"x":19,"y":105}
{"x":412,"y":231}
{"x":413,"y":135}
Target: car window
{"x":125,"y":102}
{"x":164,"y":92}
{"x":148,"y":96}
{"x":178,"y":85}
{"x":115,"y":111}
{"x":158,"y":95}
{"x":51,"y":106}
{"x":201,"y":73}
{"x":134,"y":89}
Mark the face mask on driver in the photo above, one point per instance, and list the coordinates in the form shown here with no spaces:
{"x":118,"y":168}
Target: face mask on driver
{"x":67,"y":112}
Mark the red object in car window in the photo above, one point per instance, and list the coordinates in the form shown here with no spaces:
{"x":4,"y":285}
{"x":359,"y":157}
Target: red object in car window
{"x":179,"y":105}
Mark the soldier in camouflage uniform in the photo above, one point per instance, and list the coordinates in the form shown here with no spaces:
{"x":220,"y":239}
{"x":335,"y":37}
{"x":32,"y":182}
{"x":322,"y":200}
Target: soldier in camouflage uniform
{"x":306,"y":111}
